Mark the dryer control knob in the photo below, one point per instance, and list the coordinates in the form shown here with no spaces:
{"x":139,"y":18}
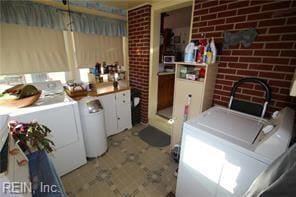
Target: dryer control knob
{"x":267,"y":128}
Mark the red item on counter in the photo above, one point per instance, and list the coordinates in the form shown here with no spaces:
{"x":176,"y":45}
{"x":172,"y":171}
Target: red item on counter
{"x":202,"y":73}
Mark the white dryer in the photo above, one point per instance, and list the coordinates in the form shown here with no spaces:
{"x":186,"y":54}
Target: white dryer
{"x":61,"y":115}
{"x":223,"y":150}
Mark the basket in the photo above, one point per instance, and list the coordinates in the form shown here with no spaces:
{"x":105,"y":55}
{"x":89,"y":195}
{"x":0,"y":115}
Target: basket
{"x":18,"y":103}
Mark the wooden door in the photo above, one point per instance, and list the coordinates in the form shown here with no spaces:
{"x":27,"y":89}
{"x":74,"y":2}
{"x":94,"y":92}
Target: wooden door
{"x":165,"y":91}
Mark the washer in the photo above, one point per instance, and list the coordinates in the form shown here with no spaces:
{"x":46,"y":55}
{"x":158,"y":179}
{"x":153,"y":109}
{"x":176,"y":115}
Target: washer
{"x":61,"y":115}
{"x":223,"y":150}
{"x":93,"y":126}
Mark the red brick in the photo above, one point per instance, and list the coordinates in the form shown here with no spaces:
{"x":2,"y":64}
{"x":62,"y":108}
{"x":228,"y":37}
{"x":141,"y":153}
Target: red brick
{"x":280,"y":45}
{"x":285,"y":91}
{"x":266,"y":53}
{"x":236,"y":19}
{"x":232,"y":77}
{"x":286,"y":29}
{"x":260,"y":67}
{"x":206,"y":29}
{"x":239,"y":4}
{"x":276,"y":60}
{"x":226,"y":13}
{"x":229,"y":59}
{"x":267,"y":37}
{"x":279,"y":83}
{"x":224,"y":27}
{"x":242,"y":52}
{"x":237,"y":65}
{"x":289,"y":37}
{"x":250,"y":59}
{"x":274,"y":6}
{"x":292,"y":20}
{"x":272,"y":22}
{"x":218,"y":8}
{"x":253,"y":46}
{"x":272,"y":75}
{"x":224,"y":82}
{"x":226,"y":70}
{"x":248,"y":10}
{"x":209,"y":4}
{"x":260,"y":16}
{"x":255,"y":2}
{"x":200,"y":24}
{"x":288,"y":53}
{"x":202,"y":11}
{"x":258,"y":100}
{"x":285,"y":68}
{"x":253,"y":92}
{"x":208,"y":17}
{"x":216,"y":22}
{"x":247,"y":73}
{"x":246,"y":25}
{"x":214,"y":34}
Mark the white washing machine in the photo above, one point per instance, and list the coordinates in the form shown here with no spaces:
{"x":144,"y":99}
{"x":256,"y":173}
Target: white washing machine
{"x":223,"y":150}
{"x":61,"y":115}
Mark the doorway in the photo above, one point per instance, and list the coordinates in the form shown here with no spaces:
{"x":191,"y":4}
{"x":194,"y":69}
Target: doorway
{"x":154,"y":118}
{"x":173,"y":38}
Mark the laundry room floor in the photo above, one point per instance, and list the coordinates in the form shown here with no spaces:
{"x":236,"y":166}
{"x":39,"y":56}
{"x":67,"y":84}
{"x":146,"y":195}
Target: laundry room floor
{"x":131,"y":167}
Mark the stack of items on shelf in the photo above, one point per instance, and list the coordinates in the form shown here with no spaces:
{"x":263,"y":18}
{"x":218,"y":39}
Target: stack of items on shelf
{"x":204,"y":52}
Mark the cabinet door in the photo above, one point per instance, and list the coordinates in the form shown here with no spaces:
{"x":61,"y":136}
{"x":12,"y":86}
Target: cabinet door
{"x":165,"y":91}
{"x":108,"y":103}
{"x":182,"y":89}
{"x":123,"y":107}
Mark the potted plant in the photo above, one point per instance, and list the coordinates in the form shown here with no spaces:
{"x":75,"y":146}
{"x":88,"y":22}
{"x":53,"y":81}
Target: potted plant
{"x":31,"y":136}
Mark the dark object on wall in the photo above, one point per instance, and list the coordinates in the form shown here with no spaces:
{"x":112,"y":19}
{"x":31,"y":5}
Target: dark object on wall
{"x":136,"y":113}
{"x":246,"y":37}
{"x":247,"y":107}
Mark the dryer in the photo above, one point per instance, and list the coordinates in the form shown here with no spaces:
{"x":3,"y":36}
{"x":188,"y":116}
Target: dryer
{"x":224,"y":150}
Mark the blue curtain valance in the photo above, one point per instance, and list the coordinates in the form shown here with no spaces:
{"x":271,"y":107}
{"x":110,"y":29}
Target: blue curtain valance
{"x":86,"y":23}
{"x":33,"y":14}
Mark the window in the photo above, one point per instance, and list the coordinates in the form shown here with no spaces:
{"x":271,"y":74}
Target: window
{"x":32,"y":78}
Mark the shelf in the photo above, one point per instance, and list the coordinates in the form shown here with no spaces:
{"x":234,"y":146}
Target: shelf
{"x":191,"y":64}
{"x":191,"y":81}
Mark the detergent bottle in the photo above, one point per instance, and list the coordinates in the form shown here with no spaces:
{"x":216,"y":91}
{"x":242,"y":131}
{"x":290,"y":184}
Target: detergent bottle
{"x":214,"y":51}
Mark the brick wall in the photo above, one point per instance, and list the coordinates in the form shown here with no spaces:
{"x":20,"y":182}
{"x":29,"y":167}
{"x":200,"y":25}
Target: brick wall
{"x":139,"y":46}
{"x":272,"y":56}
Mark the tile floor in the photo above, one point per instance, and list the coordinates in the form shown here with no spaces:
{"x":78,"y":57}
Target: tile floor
{"x":131,"y":167}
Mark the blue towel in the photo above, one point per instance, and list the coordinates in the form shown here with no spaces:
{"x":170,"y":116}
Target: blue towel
{"x":43,"y":175}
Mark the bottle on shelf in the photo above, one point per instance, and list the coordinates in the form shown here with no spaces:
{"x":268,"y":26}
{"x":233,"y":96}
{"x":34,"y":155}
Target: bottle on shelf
{"x":214,"y":51}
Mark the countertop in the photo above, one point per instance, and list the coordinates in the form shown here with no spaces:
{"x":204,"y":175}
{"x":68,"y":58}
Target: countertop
{"x":166,"y":73}
{"x":122,"y":86}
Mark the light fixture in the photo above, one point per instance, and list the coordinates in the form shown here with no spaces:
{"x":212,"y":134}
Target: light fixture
{"x":293,"y":87}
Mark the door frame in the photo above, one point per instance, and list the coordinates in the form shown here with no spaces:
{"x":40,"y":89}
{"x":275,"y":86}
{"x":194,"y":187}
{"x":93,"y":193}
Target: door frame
{"x":156,"y":9}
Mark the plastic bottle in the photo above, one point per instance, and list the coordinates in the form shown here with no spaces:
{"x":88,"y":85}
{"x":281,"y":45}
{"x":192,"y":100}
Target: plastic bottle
{"x":204,"y":60}
{"x":214,"y":50}
{"x":189,"y":52}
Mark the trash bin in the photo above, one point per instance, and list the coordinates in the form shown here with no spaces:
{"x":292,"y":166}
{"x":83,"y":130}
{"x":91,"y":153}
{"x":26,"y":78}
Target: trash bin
{"x":135,"y":107}
{"x":93,"y":126}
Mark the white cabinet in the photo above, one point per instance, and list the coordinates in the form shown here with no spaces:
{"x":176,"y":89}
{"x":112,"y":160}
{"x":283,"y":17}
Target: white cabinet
{"x":117,"y":109}
{"x":201,"y":92}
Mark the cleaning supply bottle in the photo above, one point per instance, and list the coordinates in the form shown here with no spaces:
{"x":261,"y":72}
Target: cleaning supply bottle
{"x":189,"y":52}
{"x":204,"y":60}
{"x":214,"y":50}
